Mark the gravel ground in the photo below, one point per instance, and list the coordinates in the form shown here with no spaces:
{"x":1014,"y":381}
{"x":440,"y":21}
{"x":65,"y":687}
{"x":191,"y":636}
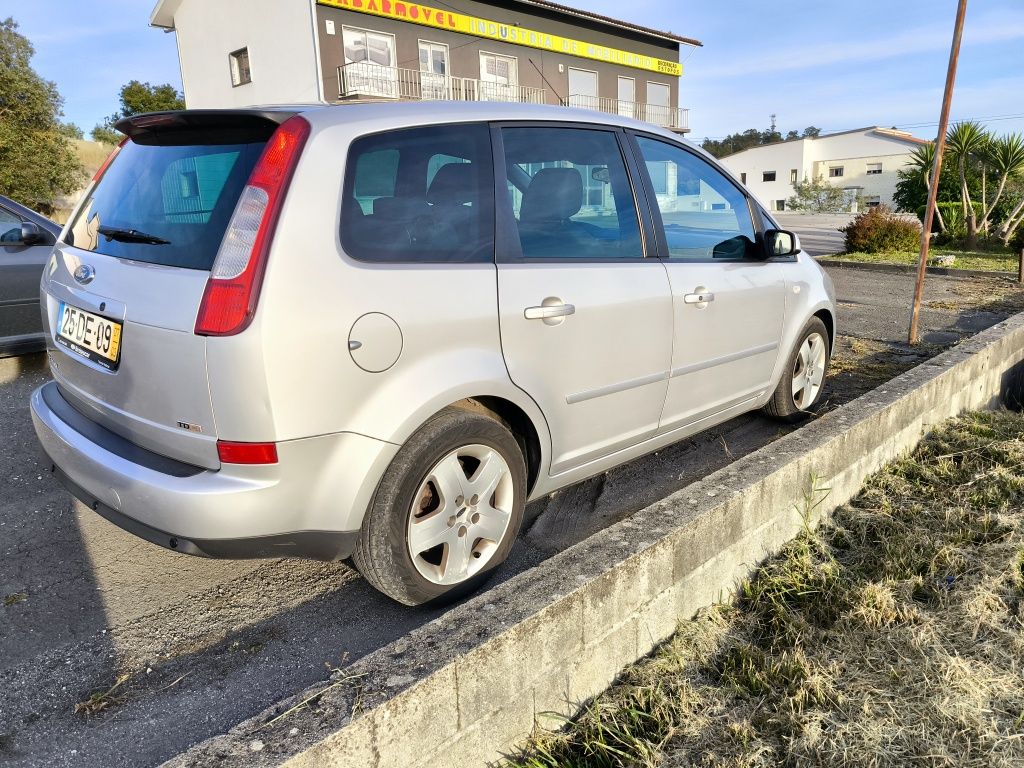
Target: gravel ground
{"x":199,"y":645}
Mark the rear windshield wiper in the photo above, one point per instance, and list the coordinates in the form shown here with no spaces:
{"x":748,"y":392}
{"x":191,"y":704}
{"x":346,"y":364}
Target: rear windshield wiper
{"x":131,"y":236}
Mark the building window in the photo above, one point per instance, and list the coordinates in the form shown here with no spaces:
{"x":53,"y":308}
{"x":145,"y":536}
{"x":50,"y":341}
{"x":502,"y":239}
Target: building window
{"x":369,"y":64}
{"x":434,"y":81}
{"x":240,"y":72}
{"x":768,"y":176}
{"x":835,"y":171}
{"x":499,"y":77}
{"x":743,"y":178}
{"x":872,"y":201}
{"x":874,"y":168}
{"x":780,"y":205}
{"x":793,"y":176}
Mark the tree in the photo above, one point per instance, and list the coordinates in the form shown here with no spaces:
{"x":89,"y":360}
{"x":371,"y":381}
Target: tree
{"x":818,"y":196}
{"x":137,"y":98}
{"x":752,"y":137}
{"x":1005,"y":156}
{"x":37,"y":161}
{"x":967,"y":141}
{"x":922,"y":161}
{"x":72,"y":131}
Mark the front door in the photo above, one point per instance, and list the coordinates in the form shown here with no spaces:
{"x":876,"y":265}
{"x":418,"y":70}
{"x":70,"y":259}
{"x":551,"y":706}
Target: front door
{"x":728,"y":300}
{"x":658,"y":101}
{"x":586,"y":319}
{"x":20,"y":268}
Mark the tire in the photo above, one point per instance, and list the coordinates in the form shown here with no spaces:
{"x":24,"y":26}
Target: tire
{"x":785,"y":405}
{"x":455,"y":454}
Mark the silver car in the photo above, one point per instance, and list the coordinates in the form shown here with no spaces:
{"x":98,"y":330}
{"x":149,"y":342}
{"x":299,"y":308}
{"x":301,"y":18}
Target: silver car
{"x":26,"y":239}
{"x":377,"y":330}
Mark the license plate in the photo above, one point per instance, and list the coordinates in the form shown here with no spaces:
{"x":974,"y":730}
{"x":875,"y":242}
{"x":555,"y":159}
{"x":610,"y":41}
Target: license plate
{"x":90,"y":336}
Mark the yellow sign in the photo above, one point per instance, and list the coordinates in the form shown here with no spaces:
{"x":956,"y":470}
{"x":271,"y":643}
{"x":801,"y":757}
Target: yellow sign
{"x":472,"y":25}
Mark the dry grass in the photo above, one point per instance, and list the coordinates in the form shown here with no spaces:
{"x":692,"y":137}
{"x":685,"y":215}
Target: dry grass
{"x":989,"y":261}
{"x":891,"y":636}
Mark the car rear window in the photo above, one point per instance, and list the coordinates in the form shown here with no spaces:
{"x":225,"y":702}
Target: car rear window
{"x":166,"y":205}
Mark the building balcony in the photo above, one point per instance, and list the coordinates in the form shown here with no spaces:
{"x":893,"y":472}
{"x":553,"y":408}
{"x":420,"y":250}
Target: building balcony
{"x":365,"y":80}
{"x":674,"y":118}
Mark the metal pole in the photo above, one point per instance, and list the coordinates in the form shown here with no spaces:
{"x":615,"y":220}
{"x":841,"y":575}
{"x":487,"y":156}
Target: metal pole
{"x":1020,"y":267}
{"x":940,"y":146}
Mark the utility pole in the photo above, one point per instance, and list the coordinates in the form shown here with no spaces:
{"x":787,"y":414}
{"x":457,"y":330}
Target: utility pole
{"x":933,"y":189}
{"x":773,"y":122}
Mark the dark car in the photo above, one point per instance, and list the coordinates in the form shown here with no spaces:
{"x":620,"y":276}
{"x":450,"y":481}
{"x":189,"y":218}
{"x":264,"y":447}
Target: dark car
{"x":26,"y":239}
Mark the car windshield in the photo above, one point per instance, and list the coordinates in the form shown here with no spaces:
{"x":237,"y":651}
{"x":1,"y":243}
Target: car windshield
{"x":165,"y":205}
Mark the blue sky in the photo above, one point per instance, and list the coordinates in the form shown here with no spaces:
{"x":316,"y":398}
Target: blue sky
{"x":836,"y":65}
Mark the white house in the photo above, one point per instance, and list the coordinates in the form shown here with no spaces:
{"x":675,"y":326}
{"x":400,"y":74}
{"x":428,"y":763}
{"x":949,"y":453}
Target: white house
{"x":863,"y":161}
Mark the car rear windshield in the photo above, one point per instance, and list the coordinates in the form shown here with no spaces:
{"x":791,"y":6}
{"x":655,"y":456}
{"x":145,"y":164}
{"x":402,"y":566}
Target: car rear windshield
{"x":166,"y":204}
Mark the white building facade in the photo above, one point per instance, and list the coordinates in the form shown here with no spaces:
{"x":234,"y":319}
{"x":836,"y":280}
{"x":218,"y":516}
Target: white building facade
{"x":863,"y":162}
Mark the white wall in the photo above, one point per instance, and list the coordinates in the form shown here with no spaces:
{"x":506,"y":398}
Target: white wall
{"x":279,"y":36}
{"x":813,"y":157}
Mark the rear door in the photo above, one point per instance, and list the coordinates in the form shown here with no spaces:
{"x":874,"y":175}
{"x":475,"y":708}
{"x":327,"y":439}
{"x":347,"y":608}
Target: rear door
{"x":728,"y":299}
{"x":586,"y":317}
{"x":20,"y":268}
{"x":121,"y":303}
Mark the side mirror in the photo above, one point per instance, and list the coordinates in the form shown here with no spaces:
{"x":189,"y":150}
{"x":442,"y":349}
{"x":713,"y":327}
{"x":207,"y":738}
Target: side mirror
{"x":779,"y":242}
{"x":31,"y":234}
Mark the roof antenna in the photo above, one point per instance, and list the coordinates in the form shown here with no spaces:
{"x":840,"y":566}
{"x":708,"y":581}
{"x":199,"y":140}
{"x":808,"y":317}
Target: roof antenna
{"x":773,"y":122}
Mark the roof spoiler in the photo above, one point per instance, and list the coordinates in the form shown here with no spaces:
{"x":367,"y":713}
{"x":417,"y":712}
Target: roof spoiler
{"x":192,"y":125}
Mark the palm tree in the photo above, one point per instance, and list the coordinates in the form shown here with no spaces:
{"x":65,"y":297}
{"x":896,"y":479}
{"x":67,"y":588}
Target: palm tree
{"x":1005,"y":156}
{"x":967,"y":141}
{"x":922,"y":161}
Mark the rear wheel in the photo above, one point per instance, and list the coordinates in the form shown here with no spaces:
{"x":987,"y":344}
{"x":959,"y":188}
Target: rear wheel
{"x":801,"y":384}
{"x":447,"y":510}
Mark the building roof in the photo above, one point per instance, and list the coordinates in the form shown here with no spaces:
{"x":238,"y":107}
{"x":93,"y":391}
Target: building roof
{"x":890,"y":133}
{"x":610,"y":21}
{"x":163,"y":16}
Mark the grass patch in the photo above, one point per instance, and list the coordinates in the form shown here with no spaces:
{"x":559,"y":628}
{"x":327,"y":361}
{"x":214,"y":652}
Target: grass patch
{"x":890,"y":636}
{"x":14,"y":599}
{"x":101,"y":700}
{"x":988,"y":261}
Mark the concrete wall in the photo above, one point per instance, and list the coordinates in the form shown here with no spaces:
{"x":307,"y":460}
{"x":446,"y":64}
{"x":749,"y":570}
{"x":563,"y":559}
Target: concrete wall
{"x":813,"y":157}
{"x":279,"y":36}
{"x":473,"y":683}
{"x":537,"y":68}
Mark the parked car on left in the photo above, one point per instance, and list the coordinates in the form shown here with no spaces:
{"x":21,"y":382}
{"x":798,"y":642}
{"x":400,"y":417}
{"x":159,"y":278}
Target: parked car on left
{"x":26,"y":239}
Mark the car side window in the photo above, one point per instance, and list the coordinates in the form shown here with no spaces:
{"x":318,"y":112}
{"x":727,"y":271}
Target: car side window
{"x":570,"y":194}
{"x":420,"y":195}
{"x":10,"y":227}
{"x":705,"y":216}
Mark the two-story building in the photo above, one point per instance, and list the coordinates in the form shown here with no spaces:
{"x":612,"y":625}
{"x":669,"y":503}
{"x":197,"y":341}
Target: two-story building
{"x":864,"y":162}
{"x":246,"y":52}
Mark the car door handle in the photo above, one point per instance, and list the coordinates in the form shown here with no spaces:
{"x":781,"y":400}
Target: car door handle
{"x":698,"y":298}
{"x":544,"y":312}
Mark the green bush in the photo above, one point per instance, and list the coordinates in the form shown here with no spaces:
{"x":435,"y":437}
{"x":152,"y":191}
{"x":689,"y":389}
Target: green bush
{"x":953,"y":217}
{"x":879,"y":230}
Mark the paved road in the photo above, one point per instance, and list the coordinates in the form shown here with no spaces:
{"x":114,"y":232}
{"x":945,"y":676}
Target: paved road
{"x":819,"y":233}
{"x":209,"y":643}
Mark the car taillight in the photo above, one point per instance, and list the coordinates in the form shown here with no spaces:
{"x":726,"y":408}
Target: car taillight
{"x":246,"y":453}
{"x":229,"y":301}
{"x":110,"y":158}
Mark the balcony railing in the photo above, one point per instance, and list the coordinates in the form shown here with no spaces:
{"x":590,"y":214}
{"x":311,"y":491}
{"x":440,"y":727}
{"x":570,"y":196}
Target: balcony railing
{"x":673,"y":118}
{"x":363,"y":79}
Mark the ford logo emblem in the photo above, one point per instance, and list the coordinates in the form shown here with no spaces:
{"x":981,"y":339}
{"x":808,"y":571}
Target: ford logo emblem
{"x":85,"y":273}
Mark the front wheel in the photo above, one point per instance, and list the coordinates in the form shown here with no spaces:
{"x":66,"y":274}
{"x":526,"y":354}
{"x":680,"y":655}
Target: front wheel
{"x":802,"y":380}
{"x":447,"y":511}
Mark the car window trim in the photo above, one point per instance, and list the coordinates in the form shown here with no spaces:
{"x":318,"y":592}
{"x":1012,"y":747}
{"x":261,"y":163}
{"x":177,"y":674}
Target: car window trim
{"x":753,"y":209}
{"x":508,"y":249}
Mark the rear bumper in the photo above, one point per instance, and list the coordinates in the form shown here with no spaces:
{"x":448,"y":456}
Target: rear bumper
{"x":309,"y":504}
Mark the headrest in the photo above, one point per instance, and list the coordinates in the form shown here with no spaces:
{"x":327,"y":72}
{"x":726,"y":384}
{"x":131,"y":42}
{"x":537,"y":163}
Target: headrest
{"x":553,"y":194}
{"x":454,"y":184}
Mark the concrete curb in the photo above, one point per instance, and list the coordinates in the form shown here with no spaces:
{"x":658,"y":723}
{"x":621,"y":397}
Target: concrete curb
{"x":471,"y":685}
{"x":907,"y":268}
